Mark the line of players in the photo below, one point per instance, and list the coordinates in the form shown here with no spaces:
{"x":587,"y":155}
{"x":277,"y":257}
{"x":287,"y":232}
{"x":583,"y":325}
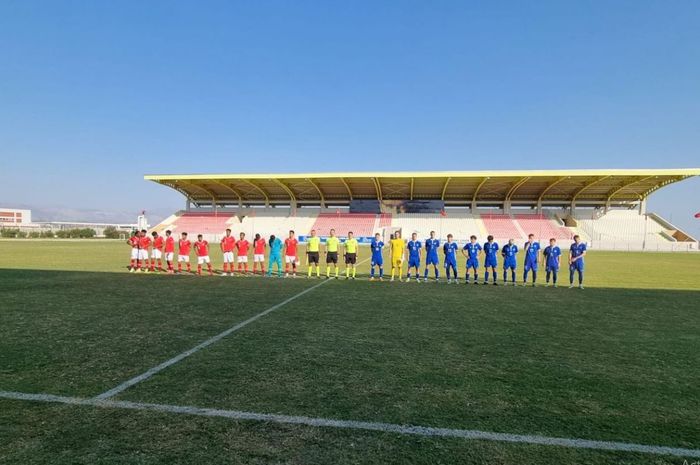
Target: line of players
{"x":472,"y":251}
{"x":164,"y":248}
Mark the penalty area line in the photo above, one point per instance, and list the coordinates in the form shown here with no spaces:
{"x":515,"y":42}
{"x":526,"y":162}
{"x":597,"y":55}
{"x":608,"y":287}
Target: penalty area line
{"x":425,"y":431}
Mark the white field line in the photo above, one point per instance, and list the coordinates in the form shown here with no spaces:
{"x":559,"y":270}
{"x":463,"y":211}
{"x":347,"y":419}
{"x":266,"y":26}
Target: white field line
{"x":152,"y":371}
{"x":425,"y":431}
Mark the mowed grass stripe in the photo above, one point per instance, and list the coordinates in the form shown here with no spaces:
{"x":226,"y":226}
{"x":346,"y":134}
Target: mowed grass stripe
{"x":554,"y":362}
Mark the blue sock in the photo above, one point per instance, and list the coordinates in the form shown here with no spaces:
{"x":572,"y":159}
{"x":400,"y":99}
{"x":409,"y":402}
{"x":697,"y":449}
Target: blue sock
{"x":534,"y":276}
{"x":371,"y":272}
{"x":437,"y":273}
{"x":525,"y":276}
{"x":580,"y":277}
{"x":408,"y":275}
{"x":547,"y":277}
{"x":476,"y":276}
{"x":505,"y":275}
{"x":554,"y":276}
{"x":571,"y":276}
{"x":467,"y":276}
{"x":381,"y":271}
{"x":425,"y":273}
{"x":513,"y":276}
{"x":486,"y":276}
{"x":495,"y":275}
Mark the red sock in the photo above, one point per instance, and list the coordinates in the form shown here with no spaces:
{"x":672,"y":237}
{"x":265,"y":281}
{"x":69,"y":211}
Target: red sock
{"x":133,"y":263}
{"x":179,"y":267}
{"x":245,"y":266}
{"x":153,"y":265}
{"x":240,"y":266}
{"x":160,"y":265}
{"x":199,"y":269}
{"x":209,"y":267}
{"x":189,"y":268}
{"x":225,"y":267}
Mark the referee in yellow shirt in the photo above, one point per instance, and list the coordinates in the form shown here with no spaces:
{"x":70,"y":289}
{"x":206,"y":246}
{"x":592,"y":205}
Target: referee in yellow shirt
{"x":350,"y":246}
{"x":313,"y":245}
{"x":398,"y":252}
{"x":332,"y":254}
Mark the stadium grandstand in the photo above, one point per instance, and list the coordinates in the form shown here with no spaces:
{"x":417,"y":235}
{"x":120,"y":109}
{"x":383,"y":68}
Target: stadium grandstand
{"x":607,"y":208}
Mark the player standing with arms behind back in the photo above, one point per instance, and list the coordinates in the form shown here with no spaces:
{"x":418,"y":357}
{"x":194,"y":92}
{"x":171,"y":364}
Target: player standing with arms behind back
{"x":157,"y":252}
{"x":350,"y":247}
{"x":532,"y":257}
{"x":552,"y":258}
{"x":228,"y":242}
{"x":313,"y":250}
{"x":202,"y":249}
{"x":509,"y":253}
{"x":576,"y":253}
{"x":242,"y":246}
{"x":169,"y":250}
{"x":398,"y":253}
{"x":259,"y":245}
{"x":183,"y":253}
{"x":450,"y":251}
{"x":377,"y":247}
{"x":290,"y":254}
{"x":471,"y":250}
{"x":414,"y":246}
{"x":431,"y":256}
{"x":490,"y":260}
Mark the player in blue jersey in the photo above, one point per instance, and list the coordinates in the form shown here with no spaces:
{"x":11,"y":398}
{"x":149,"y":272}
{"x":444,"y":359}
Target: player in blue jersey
{"x":450,"y":251}
{"x":471,"y":250}
{"x":431,"y":256}
{"x":490,"y":260}
{"x":552,"y":258}
{"x":509,"y":252}
{"x":532,"y":256}
{"x":414,"y":246}
{"x":576,"y":253}
{"x":377,"y":259}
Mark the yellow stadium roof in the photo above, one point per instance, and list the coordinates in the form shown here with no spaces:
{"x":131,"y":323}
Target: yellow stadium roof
{"x":468,"y":188}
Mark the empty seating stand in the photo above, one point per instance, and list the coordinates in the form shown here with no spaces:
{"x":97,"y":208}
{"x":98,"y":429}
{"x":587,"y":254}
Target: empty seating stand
{"x":361,"y":224}
{"x":542,"y":227}
{"x":207,"y":223}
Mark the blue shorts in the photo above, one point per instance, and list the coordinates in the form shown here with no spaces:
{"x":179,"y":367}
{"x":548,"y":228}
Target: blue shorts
{"x":472,"y":263}
{"x":450,"y":263}
{"x":413,"y":262}
{"x":576,"y":266}
{"x":378,"y":261}
{"x":551,"y":268}
{"x":432,"y":260}
{"x":509,"y":263}
{"x":531,"y":265}
{"x":491,"y":262}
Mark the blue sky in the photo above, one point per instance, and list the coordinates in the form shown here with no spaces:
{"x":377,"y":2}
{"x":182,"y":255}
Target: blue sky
{"x":95,"y":94}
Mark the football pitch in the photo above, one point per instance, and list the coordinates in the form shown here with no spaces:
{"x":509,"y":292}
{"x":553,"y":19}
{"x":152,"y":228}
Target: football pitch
{"x":100,"y":366}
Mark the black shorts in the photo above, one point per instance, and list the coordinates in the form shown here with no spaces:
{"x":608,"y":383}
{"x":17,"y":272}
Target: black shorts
{"x":350,"y":258}
{"x":332,"y":257}
{"x":313,"y":257}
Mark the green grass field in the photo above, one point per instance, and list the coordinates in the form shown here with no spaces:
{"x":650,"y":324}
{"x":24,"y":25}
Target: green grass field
{"x":617,"y":362}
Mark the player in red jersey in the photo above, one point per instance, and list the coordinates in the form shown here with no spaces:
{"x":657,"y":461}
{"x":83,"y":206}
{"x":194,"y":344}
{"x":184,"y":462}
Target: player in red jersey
{"x":290,"y":254}
{"x":259,"y":253}
{"x":144,"y":245}
{"x":169,"y":250}
{"x":183,"y":253}
{"x":201,"y":247}
{"x":134,"y":242}
{"x":242,"y":247}
{"x":157,"y":251}
{"x":228,"y":242}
